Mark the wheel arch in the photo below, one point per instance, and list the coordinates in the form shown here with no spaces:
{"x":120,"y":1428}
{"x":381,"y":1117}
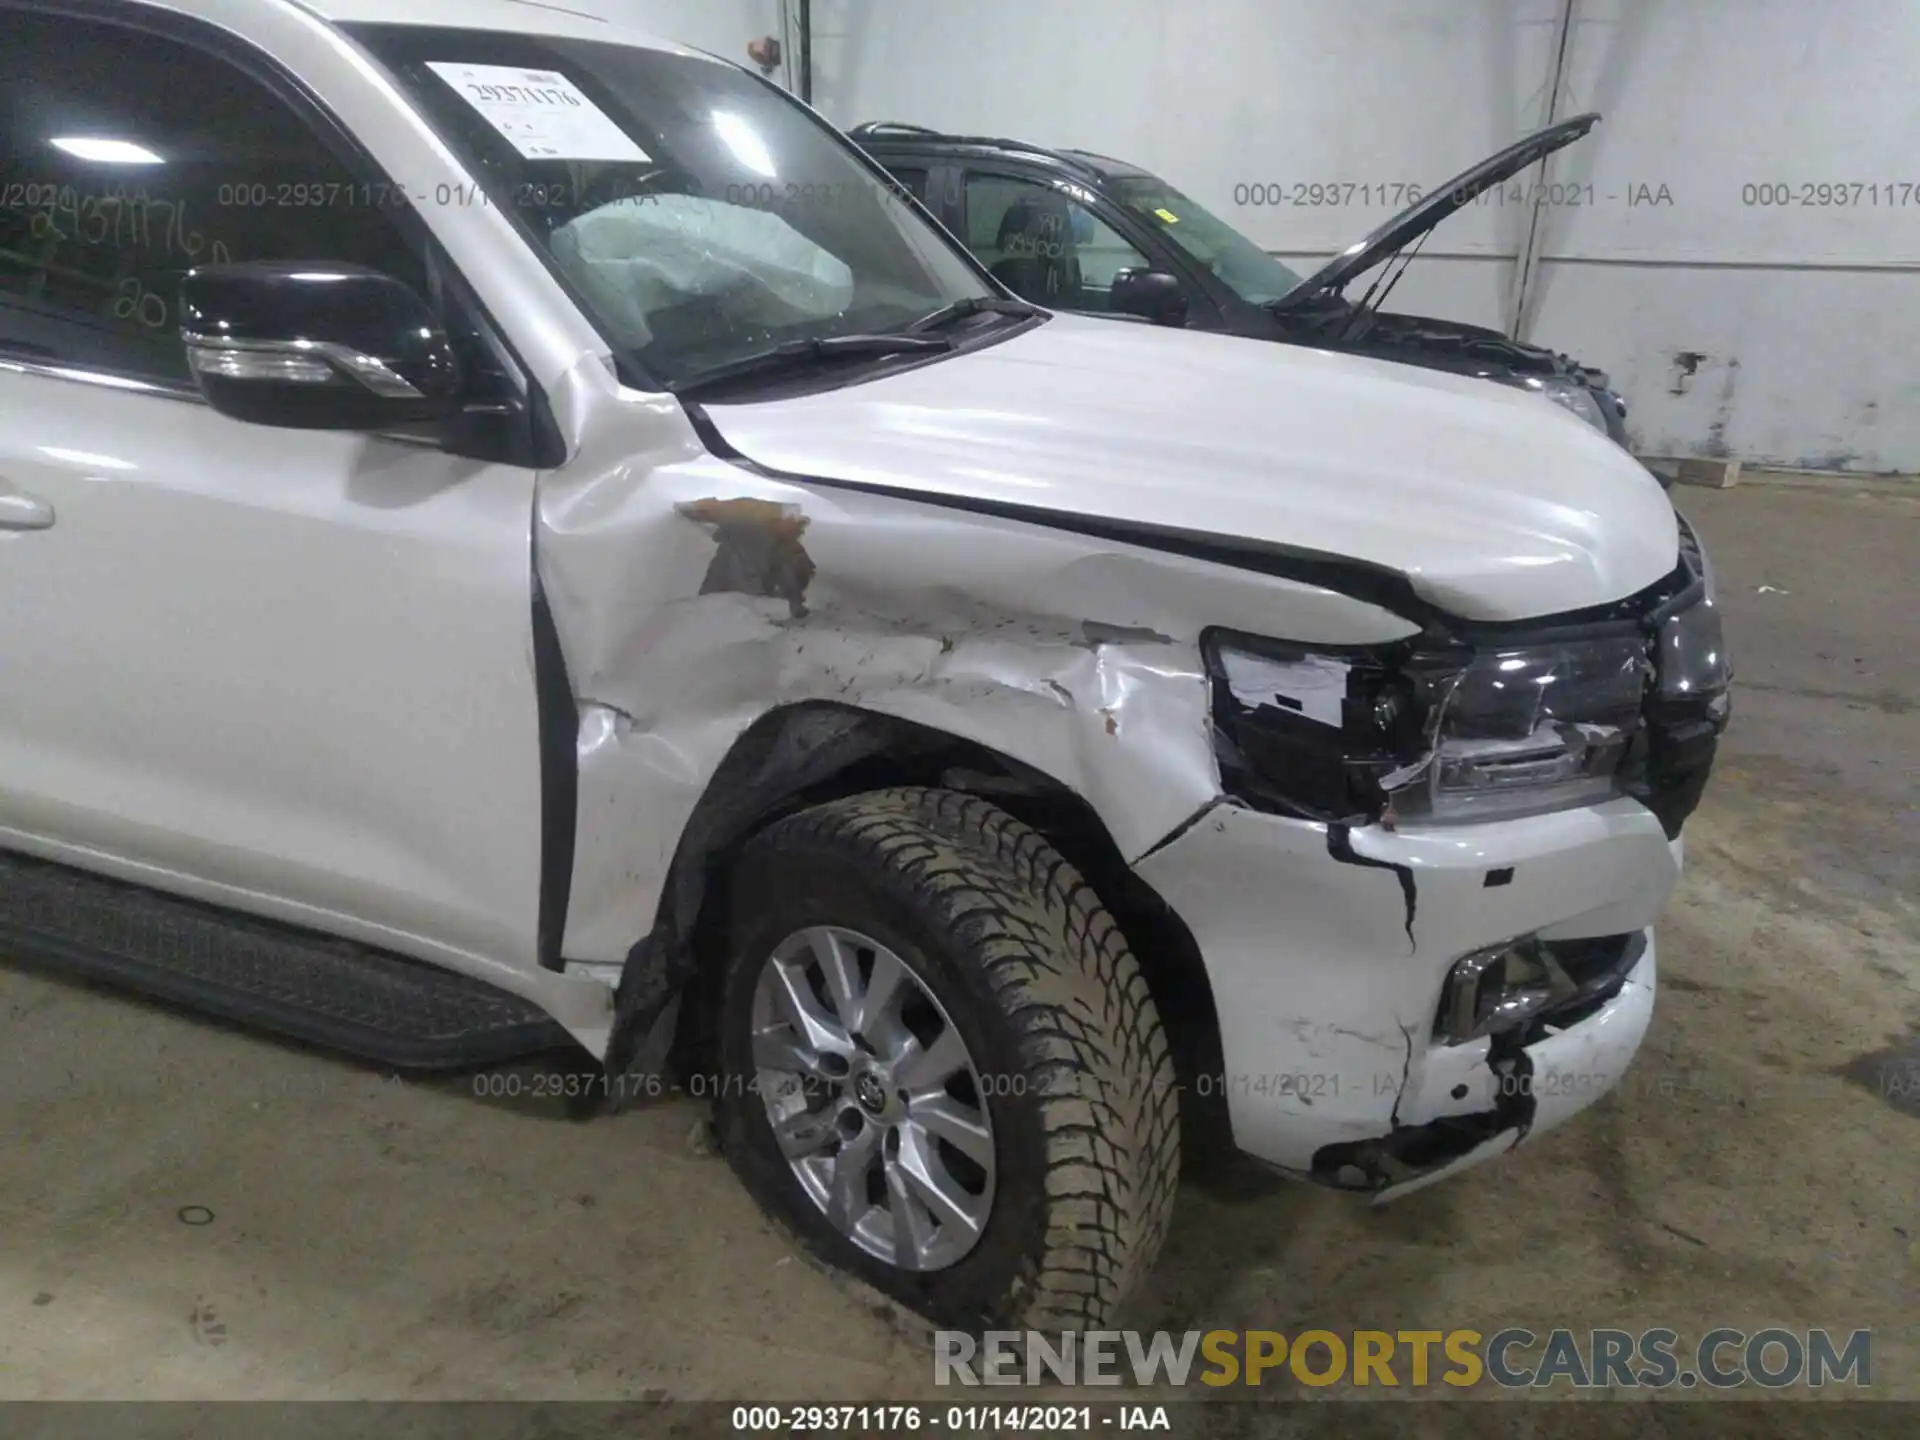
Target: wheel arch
{"x":810,"y":752}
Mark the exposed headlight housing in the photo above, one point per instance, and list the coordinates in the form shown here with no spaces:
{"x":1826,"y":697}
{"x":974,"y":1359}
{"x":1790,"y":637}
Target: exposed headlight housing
{"x":1442,"y":730}
{"x":1431,"y":734}
{"x":1569,"y":394}
{"x":1524,"y":728}
{"x":1693,"y":649}
{"x":1690,"y":704}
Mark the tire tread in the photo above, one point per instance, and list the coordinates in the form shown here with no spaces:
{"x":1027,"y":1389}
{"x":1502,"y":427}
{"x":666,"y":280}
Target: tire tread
{"x":1096,"y":1054}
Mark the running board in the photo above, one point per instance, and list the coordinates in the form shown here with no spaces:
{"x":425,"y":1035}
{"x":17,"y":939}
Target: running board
{"x":311,"y":987}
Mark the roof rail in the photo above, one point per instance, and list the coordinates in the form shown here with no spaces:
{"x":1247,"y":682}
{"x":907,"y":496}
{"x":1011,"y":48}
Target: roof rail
{"x":876,"y":127}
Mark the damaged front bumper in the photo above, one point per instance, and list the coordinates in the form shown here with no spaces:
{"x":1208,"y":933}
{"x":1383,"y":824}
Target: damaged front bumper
{"x":1330,"y":951}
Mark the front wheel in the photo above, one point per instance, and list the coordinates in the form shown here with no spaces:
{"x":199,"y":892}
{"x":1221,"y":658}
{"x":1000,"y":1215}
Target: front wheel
{"x":940,"y":1062}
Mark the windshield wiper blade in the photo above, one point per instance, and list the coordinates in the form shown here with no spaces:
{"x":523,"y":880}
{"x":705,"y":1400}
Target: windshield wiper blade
{"x":972,"y":305}
{"x":792,"y":355}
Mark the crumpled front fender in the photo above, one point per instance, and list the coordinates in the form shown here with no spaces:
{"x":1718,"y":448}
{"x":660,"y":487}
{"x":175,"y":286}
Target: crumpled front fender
{"x":692,"y":597}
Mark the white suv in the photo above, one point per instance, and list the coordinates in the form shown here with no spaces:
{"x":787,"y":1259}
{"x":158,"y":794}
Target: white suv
{"x":513,"y":534}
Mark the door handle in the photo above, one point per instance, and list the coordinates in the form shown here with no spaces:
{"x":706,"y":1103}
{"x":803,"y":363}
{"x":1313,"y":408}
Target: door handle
{"x":20,"y":511}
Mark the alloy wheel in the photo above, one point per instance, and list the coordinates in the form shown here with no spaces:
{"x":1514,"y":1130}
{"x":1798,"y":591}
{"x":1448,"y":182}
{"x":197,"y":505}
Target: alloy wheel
{"x":873,"y":1098}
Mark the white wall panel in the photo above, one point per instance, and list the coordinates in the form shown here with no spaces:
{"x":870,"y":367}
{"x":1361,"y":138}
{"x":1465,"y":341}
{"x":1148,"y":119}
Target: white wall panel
{"x":1799,"y":311}
{"x":1712,"y":96}
{"x":1808,"y":369}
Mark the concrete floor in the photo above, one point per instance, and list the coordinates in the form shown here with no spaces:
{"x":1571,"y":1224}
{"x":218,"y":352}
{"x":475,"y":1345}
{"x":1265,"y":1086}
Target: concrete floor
{"x":192,"y":1211}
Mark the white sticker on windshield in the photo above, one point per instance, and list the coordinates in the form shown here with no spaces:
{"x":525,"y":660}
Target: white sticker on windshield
{"x":540,"y":112}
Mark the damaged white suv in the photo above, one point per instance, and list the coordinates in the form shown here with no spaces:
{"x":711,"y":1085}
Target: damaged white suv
{"x":518,"y":534}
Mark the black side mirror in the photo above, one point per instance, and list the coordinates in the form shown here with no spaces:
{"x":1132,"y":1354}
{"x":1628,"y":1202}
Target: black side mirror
{"x":1151,"y":294}
{"x":315,"y":346}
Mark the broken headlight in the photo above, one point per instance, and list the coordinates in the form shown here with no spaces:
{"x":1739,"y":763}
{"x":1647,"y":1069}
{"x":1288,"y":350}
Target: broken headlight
{"x":1523,"y":729}
{"x":1632,"y":703}
{"x":1693,"y":651}
{"x":1690,"y":705}
{"x":1437,"y":735}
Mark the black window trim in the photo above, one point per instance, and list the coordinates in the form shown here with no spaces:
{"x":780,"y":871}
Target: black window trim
{"x":1095,"y":204}
{"x":962,"y":155}
{"x":222,"y":45}
{"x":1165,"y":254}
{"x":1210,"y":301}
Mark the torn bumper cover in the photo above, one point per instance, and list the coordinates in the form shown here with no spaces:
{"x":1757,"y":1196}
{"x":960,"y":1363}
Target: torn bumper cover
{"x":1339,"y":959}
{"x":1425,"y":908}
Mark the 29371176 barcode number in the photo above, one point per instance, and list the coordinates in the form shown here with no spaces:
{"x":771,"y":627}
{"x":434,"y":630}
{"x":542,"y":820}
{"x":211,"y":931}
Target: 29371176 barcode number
{"x":854,"y":1419}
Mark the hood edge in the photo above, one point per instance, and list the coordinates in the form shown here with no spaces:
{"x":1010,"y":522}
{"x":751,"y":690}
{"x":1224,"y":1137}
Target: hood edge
{"x":1361,"y":580}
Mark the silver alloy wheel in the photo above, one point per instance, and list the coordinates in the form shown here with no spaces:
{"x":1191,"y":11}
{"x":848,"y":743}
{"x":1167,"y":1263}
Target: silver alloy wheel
{"x":873,"y":1098}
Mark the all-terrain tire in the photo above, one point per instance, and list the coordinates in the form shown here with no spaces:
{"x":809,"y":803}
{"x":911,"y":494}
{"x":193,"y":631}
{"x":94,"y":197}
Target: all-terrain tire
{"x":1038,"y":979}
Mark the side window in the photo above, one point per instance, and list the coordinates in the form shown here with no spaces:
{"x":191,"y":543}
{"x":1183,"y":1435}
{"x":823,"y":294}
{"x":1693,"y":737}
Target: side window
{"x":1043,"y":244}
{"x":126,"y":159}
{"x":915,"y":179}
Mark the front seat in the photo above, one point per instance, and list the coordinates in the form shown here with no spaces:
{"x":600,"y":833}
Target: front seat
{"x":1039,"y":261}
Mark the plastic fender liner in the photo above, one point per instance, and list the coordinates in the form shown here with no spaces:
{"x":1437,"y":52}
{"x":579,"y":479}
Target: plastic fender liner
{"x":776,"y":761}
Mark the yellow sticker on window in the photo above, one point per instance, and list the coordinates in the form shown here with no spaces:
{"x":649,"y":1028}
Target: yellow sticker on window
{"x":1168,"y":216}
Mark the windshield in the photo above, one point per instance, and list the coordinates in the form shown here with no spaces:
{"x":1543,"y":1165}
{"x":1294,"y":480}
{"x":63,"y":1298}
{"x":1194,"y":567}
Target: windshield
{"x":697,"y":213}
{"x":1246,"y":269}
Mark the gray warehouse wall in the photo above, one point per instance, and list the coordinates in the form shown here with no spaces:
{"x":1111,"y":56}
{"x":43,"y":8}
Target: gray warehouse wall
{"x":1799,"y":312}
{"x":721,"y":27}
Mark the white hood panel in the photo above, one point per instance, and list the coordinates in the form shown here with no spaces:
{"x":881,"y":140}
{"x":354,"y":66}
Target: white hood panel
{"x":1497,"y":505}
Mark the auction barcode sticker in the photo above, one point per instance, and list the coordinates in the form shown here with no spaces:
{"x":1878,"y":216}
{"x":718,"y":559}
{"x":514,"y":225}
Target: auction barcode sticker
{"x":541,"y":113}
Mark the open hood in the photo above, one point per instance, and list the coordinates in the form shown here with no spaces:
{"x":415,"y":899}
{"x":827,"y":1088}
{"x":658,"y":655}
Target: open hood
{"x":1493,"y":505}
{"x":1421,"y":217}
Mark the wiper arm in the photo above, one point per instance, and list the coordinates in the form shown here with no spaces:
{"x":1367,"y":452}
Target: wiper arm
{"x":799,"y":354}
{"x":793,"y":355}
{"x":972,"y":305}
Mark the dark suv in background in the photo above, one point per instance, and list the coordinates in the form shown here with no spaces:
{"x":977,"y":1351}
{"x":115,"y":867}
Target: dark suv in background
{"x":1072,"y":230}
